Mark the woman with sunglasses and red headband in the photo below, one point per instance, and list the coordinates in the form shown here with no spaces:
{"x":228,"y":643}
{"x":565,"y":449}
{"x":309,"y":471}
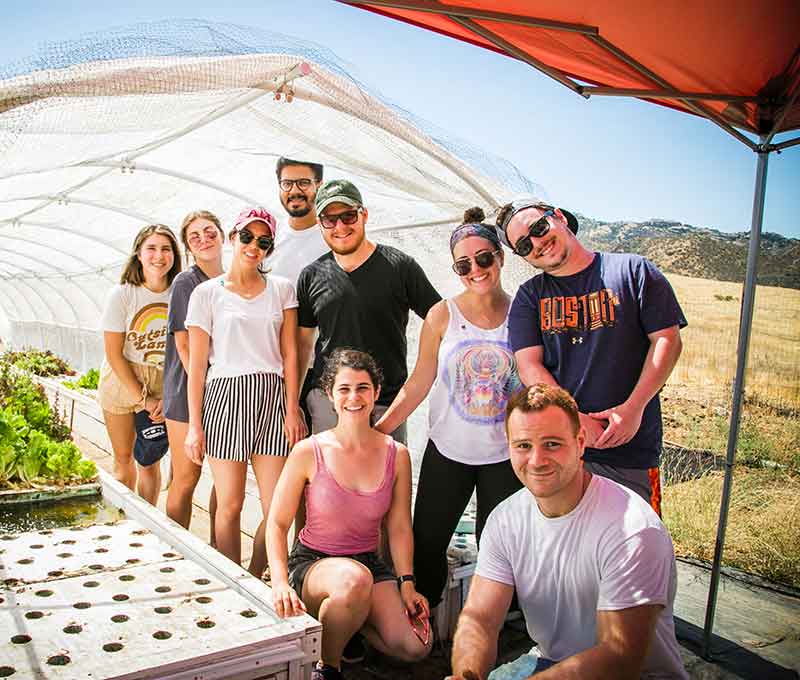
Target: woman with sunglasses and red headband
{"x":466,"y":364}
{"x":243,"y":376}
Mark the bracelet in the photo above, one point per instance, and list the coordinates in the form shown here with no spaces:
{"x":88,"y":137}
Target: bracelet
{"x":406,"y":577}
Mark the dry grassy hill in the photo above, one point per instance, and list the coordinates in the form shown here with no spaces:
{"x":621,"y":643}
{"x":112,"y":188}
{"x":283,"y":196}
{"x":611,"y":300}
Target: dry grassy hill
{"x":698,"y":252}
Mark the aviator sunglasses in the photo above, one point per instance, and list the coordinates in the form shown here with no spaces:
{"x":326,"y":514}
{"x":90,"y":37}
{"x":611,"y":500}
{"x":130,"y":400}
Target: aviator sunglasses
{"x":536,"y":229}
{"x":483,"y":260}
{"x":209,"y":233}
{"x":263,"y":242}
{"x":421,"y":627}
{"x":347,"y":217}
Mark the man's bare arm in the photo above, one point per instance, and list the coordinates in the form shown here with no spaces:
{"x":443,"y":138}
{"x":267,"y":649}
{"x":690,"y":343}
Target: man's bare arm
{"x":623,"y":641}
{"x":305,"y":344}
{"x":475,"y":642}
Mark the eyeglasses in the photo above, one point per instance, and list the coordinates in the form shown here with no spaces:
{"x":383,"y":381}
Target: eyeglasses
{"x":421,"y":628}
{"x":536,"y":229}
{"x":347,"y":217}
{"x":263,"y":242}
{"x":484,"y":260}
{"x":302,"y":184}
{"x":209,"y":233}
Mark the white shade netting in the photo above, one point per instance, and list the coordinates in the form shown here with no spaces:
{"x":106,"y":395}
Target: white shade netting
{"x":103,"y":135}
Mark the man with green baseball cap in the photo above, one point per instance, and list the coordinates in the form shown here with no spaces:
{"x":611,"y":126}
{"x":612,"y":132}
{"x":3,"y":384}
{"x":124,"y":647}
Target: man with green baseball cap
{"x":338,"y":191}
{"x":358,"y":296}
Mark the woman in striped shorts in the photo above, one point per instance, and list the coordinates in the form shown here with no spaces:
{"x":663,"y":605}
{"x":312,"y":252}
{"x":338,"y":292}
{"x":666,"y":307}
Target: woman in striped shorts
{"x":243,"y":377}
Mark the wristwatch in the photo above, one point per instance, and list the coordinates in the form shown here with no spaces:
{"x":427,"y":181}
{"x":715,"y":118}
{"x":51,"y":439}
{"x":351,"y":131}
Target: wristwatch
{"x":406,"y":577}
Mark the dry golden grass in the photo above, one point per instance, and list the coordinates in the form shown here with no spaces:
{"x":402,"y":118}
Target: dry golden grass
{"x":763,"y":531}
{"x":710,"y":341}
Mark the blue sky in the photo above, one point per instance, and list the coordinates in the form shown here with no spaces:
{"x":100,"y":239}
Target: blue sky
{"x":607,"y":158}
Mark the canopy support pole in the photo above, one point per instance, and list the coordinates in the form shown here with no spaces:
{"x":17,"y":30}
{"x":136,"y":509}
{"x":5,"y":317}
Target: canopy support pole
{"x":745,"y":326}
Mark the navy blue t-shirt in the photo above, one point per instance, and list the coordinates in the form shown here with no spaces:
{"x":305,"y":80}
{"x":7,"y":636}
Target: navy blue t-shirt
{"x":175,"y":404}
{"x":593,"y":326}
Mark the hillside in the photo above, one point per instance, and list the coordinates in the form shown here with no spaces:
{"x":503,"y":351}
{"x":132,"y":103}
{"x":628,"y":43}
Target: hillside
{"x":695,"y":251}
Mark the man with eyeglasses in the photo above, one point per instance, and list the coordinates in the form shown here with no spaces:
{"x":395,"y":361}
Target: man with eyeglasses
{"x":359,"y":296}
{"x":298,"y":242}
{"x":605,"y":327}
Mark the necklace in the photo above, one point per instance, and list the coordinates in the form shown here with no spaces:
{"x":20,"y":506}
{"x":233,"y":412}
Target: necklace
{"x":242,"y":292}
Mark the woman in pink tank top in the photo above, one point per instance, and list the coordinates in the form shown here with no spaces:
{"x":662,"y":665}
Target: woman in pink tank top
{"x":354,"y":479}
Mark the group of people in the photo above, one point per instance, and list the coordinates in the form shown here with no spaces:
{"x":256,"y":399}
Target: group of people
{"x":305,"y":334}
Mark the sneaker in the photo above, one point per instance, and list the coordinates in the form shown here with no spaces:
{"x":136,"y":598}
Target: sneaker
{"x":323,"y":671}
{"x":355,"y":650}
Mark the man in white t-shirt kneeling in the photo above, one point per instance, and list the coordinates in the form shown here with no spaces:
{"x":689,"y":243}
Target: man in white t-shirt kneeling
{"x":591,"y":562}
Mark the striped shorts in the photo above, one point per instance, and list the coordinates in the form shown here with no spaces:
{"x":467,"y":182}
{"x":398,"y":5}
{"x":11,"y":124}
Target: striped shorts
{"x":244,"y":416}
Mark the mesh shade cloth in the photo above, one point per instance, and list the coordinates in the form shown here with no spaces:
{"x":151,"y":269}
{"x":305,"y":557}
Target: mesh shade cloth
{"x":103,"y":135}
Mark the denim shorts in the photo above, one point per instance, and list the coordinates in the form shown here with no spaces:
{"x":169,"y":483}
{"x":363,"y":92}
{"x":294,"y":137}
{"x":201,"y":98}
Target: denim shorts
{"x":302,"y":558}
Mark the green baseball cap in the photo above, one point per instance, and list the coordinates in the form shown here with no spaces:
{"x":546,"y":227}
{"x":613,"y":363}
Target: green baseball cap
{"x":338,"y":191}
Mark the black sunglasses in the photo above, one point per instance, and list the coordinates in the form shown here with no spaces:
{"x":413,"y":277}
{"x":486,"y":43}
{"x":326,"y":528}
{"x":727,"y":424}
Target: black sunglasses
{"x":263,"y":242}
{"x":484,"y":260}
{"x":347,"y":217}
{"x":536,"y":229}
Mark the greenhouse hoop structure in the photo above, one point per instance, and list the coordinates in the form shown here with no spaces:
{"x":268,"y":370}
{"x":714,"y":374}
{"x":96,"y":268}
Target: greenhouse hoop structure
{"x":140,"y":125}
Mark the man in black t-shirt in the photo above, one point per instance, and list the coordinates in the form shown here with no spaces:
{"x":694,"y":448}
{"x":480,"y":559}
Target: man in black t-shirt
{"x":358,"y":296}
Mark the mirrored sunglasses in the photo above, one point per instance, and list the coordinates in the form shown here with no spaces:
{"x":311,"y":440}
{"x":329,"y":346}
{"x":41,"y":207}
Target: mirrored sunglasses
{"x":263,"y":242}
{"x":209,"y":233}
{"x":421,"y":628}
{"x":484,"y":260}
{"x":347,"y":217}
{"x":536,"y":229}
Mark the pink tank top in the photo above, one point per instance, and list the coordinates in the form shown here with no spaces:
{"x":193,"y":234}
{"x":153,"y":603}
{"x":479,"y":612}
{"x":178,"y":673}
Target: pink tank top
{"x":342,"y":521}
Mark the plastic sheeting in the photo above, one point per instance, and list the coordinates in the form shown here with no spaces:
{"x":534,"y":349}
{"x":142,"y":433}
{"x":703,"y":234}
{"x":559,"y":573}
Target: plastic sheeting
{"x":101,"y":136}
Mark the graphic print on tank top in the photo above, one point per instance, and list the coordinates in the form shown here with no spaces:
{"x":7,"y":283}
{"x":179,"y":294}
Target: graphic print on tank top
{"x":481,"y":377}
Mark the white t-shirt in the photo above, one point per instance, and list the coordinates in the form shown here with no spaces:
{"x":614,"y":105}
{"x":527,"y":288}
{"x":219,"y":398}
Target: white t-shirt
{"x":245,"y":334}
{"x":294,"y":250}
{"x":611,"y":552}
{"x":142,"y":315}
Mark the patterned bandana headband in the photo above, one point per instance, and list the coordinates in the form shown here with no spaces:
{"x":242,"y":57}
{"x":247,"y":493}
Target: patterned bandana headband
{"x":474,"y":229}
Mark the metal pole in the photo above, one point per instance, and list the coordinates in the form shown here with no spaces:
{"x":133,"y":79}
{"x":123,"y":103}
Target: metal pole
{"x":745,"y":324}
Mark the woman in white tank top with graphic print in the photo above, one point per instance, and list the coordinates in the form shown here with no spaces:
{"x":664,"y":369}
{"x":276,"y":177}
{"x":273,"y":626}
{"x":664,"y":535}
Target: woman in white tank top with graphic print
{"x":466,"y":363}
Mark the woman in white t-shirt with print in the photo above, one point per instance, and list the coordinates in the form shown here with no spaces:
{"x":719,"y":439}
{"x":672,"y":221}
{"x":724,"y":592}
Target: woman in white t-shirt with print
{"x":243,"y":375}
{"x":134,"y":328}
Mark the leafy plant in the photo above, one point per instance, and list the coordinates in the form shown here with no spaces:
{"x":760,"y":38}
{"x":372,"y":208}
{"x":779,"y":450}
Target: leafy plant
{"x":13,"y":429}
{"x":87,"y":381}
{"x":35,"y":445}
{"x":39,"y":362}
{"x":23,"y":396}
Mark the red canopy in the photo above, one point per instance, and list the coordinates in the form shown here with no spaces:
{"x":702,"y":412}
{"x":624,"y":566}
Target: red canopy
{"x":736,"y":62}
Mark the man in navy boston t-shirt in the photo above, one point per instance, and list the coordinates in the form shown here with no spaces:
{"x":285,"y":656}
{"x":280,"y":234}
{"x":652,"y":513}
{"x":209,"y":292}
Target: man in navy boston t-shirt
{"x":604,"y":326}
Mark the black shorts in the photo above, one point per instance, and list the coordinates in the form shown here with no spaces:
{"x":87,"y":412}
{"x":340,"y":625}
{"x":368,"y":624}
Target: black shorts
{"x":302,"y":558}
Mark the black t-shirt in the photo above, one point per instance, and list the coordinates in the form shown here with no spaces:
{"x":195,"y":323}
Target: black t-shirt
{"x":365,"y":309}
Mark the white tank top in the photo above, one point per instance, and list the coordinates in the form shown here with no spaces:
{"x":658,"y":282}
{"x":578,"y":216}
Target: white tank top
{"x":476,"y":376}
